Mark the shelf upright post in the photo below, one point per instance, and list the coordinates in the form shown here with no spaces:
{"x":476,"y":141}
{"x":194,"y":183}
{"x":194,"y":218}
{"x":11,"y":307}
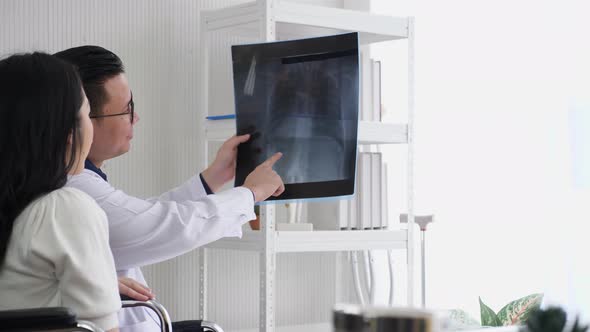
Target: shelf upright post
{"x":203,"y":102}
{"x":203,"y":283}
{"x":267,"y":212}
{"x":411,"y":234}
{"x":267,"y":269}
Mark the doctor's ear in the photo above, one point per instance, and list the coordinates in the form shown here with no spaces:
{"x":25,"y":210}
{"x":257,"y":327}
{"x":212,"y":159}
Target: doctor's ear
{"x":70,"y":138}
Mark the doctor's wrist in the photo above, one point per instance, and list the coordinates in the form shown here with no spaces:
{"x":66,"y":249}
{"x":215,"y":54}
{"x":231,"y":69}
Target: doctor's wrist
{"x":205,"y":185}
{"x":210,"y":180}
{"x":253,"y":191}
{"x":253,"y":195}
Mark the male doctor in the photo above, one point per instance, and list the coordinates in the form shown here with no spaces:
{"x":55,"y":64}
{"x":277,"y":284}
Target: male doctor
{"x":148,"y":231}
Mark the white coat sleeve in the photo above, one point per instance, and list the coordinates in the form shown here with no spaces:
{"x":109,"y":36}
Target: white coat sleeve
{"x":74,"y":237}
{"x":145,"y":232}
{"x":190,"y":190}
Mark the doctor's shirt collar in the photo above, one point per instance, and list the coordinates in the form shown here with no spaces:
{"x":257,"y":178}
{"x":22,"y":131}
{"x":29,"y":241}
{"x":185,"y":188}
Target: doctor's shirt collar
{"x":90,"y":166}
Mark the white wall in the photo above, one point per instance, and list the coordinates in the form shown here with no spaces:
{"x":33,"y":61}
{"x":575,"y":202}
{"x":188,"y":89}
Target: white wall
{"x":496,"y":82}
{"x":159,"y":43}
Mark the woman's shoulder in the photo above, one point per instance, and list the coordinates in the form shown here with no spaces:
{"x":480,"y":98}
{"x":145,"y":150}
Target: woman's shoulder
{"x":66,"y":197}
{"x":68,"y":204}
{"x":76,"y":201}
{"x":71,"y":194}
{"x":62,"y":210}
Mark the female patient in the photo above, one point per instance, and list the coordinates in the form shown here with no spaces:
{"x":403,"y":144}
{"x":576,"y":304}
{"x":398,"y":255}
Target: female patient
{"x":54,"y":247}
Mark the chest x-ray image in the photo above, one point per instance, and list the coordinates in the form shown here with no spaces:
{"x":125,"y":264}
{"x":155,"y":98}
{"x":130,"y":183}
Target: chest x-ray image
{"x":301,"y":98}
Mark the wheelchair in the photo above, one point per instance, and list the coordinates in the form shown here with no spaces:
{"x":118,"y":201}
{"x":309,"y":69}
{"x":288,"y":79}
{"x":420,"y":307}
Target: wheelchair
{"x":64,"y":319}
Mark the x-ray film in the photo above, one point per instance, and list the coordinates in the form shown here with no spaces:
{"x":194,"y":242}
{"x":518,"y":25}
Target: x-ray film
{"x":301,"y":98}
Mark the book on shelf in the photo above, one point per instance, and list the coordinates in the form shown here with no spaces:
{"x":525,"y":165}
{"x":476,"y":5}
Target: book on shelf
{"x":376,"y":90}
{"x":370,"y":89}
{"x":350,"y":215}
{"x":366,"y":209}
{"x":384,"y":197}
{"x":376,"y":199}
{"x":365,"y":206}
{"x":354,"y":210}
{"x":365,"y":81}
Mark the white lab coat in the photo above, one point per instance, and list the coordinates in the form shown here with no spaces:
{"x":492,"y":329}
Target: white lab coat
{"x":149,"y":231}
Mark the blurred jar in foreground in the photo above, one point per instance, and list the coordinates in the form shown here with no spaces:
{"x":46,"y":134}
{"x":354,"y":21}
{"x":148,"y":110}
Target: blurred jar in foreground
{"x":355,"y":318}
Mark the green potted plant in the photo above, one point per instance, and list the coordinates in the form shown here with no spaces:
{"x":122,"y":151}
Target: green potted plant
{"x":514,"y":313}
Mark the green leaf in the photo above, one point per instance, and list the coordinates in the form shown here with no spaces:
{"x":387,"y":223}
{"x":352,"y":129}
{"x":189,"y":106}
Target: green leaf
{"x":488,"y":316}
{"x":518,"y":311}
{"x":460,"y":319}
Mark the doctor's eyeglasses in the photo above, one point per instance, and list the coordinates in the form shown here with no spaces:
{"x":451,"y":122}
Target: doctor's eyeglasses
{"x":130,"y":109}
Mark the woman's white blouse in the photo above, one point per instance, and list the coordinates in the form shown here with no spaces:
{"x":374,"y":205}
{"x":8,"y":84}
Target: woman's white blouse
{"x":58,"y":255}
{"x":148,"y":231}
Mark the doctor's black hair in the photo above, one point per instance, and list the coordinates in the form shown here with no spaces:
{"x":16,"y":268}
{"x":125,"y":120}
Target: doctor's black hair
{"x":96,"y":65}
{"x":40,"y":100}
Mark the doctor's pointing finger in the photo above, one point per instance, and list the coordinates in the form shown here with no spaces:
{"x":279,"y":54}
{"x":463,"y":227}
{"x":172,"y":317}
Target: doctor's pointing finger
{"x":264,"y":181}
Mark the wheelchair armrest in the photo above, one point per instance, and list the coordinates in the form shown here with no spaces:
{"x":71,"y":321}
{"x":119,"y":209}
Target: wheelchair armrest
{"x":197,"y":325}
{"x":162,"y":313}
{"x":42,"y":319}
{"x":210,"y":327}
{"x":165,"y":322}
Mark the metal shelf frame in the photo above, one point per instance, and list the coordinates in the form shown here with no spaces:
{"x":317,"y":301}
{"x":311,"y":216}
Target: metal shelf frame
{"x":369,"y":132}
{"x":372,"y":28}
{"x":265,"y":18}
{"x":318,"y":241}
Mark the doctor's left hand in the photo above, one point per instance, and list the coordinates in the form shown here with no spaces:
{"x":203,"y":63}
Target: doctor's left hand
{"x":223,"y":167}
{"x":134,"y":289}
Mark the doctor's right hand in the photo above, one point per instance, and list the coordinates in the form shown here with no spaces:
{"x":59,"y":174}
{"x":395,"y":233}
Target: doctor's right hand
{"x":264,"y":181}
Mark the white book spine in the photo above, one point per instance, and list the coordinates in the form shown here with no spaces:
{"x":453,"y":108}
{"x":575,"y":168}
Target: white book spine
{"x":353,"y":213}
{"x":343,"y":216}
{"x":376,"y":90}
{"x":376,"y":199}
{"x":365,"y":193}
{"x":366,"y":88}
{"x":362,"y":96}
{"x":385,"y":198}
{"x":353,"y":206}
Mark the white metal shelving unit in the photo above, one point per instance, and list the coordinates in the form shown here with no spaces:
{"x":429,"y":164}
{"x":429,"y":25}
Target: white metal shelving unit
{"x":270,"y":20}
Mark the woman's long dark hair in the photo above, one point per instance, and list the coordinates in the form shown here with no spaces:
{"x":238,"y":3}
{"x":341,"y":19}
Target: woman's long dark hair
{"x":40,"y":99}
